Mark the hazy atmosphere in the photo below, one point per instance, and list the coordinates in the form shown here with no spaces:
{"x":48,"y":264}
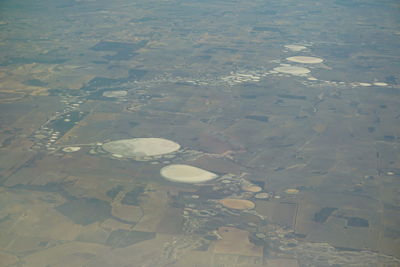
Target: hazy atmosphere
{"x":215,"y":133}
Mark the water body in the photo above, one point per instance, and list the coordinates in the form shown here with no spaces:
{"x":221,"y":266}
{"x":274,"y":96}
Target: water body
{"x":268,"y":133}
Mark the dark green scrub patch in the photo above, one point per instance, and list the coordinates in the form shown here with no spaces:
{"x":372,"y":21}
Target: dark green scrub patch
{"x":66,"y":122}
{"x":297,"y":97}
{"x":100,"y":82}
{"x":35,"y":82}
{"x":357,"y":222}
{"x":124,"y":238}
{"x":132,"y":197}
{"x":113,"y":192}
{"x":109,"y":84}
{"x":257,"y":118}
{"x":123,"y":51}
{"x":85,"y":211}
{"x":323,"y":215}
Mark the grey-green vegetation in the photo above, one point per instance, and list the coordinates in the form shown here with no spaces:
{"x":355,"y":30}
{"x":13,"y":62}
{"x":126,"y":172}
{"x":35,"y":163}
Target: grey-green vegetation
{"x":199,"y":133}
